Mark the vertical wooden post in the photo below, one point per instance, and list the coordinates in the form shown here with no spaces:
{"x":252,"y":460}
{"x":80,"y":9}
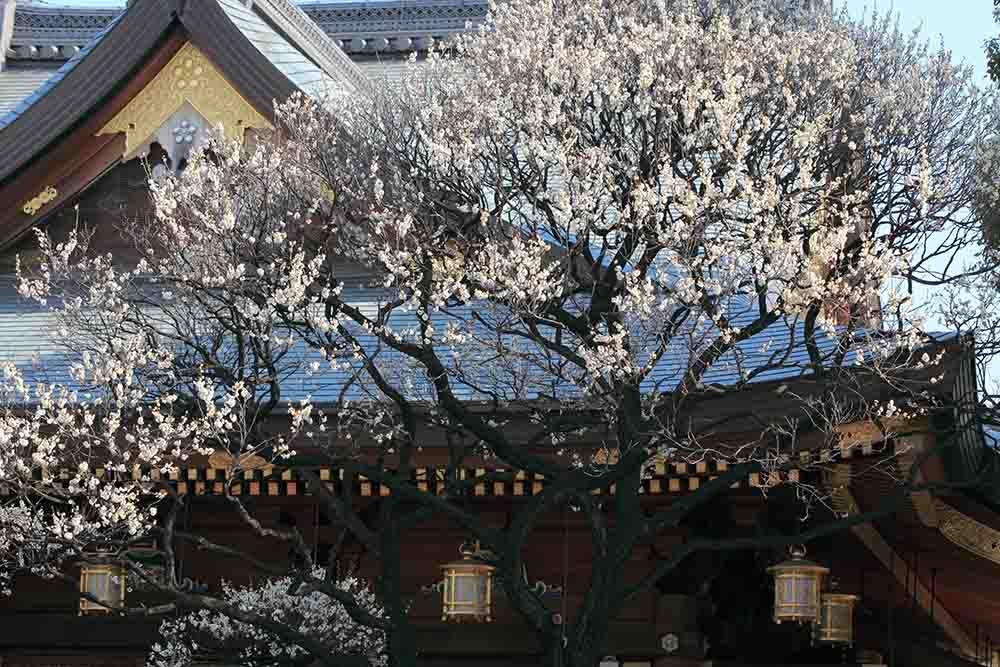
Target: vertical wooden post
{"x":933,"y":589}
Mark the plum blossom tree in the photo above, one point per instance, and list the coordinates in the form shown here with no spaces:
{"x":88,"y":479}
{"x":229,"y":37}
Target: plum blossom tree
{"x":993,"y":48}
{"x":216,"y":636}
{"x":578,"y":229}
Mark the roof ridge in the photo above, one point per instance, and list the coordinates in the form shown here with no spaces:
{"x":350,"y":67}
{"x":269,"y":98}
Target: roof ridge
{"x":290,"y":18}
{"x":49,"y":9}
{"x":58,"y":33}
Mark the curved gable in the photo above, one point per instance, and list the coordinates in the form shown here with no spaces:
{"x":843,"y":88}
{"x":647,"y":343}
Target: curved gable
{"x":80,"y":85}
{"x":266,"y":53}
{"x":134,"y":80}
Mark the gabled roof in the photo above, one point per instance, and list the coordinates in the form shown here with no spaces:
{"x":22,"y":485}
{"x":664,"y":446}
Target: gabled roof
{"x":57,"y":33}
{"x":374,"y":32}
{"x":267,"y":53}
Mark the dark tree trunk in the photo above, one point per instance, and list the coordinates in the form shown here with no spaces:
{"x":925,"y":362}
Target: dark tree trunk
{"x":401,"y":640}
{"x":574,"y":654}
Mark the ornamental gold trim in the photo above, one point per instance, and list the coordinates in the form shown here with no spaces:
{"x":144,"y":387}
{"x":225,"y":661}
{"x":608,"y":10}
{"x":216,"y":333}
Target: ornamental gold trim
{"x":189,"y":77}
{"x":968,"y":533}
{"x":35,"y":204}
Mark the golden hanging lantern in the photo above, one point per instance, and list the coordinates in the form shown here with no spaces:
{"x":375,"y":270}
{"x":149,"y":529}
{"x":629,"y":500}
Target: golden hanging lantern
{"x":105,"y":583}
{"x":467,"y":589}
{"x":836,"y":619}
{"x":797,"y":586}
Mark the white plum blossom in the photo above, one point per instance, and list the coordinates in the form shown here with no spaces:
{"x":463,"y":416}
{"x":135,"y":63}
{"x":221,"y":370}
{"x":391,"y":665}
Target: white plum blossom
{"x":199,"y":635}
{"x":593,"y":216}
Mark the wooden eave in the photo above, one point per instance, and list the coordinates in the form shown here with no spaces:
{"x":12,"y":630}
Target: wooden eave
{"x":201,"y":479}
{"x":957,"y":558}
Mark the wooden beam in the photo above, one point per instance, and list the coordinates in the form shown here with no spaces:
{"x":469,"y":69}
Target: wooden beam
{"x":930,"y":470}
{"x":898,"y":568}
{"x":894,"y":563}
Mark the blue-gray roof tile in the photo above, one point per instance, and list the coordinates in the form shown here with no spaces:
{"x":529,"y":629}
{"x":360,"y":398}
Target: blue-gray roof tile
{"x":51,"y":82}
{"x":291,"y":62}
{"x":28,"y":338}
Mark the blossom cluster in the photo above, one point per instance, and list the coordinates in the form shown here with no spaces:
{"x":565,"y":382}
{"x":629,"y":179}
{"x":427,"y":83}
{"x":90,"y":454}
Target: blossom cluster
{"x":205,"y":634}
{"x":599,"y":212}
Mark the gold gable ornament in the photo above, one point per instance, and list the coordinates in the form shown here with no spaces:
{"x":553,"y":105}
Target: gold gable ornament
{"x":189,"y":78}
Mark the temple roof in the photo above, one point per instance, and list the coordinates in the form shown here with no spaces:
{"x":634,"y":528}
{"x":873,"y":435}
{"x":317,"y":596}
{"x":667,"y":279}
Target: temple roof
{"x":55,"y":33}
{"x":58,"y":33}
{"x":47,"y":43}
{"x":54,"y":78}
{"x":268,"y":52}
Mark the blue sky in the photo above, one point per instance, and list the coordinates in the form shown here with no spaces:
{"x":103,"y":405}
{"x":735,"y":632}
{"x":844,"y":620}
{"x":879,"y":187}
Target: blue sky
{"x":963,"y":25}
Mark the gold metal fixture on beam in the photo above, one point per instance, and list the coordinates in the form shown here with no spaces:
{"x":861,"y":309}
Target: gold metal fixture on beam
{"x":35,"y":204}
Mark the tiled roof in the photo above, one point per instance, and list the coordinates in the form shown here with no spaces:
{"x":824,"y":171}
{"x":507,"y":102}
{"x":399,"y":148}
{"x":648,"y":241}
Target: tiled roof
{"x":290,"y":61}
{"x":29,"y":338}
{"x":274,"y":71}
{"x":16,"y":84}
{"x":52,"y":80}
{"x":394,"y":25}
{"x":57,"y":33}
{"x":372,"y":32}
{"x":388,"y":70}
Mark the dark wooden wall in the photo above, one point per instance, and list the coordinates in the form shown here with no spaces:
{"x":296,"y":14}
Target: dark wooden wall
{"x":119,"y":194}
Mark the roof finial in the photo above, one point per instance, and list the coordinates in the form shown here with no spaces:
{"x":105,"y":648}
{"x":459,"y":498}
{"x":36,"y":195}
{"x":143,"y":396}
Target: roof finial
{"x":6,"y":28}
